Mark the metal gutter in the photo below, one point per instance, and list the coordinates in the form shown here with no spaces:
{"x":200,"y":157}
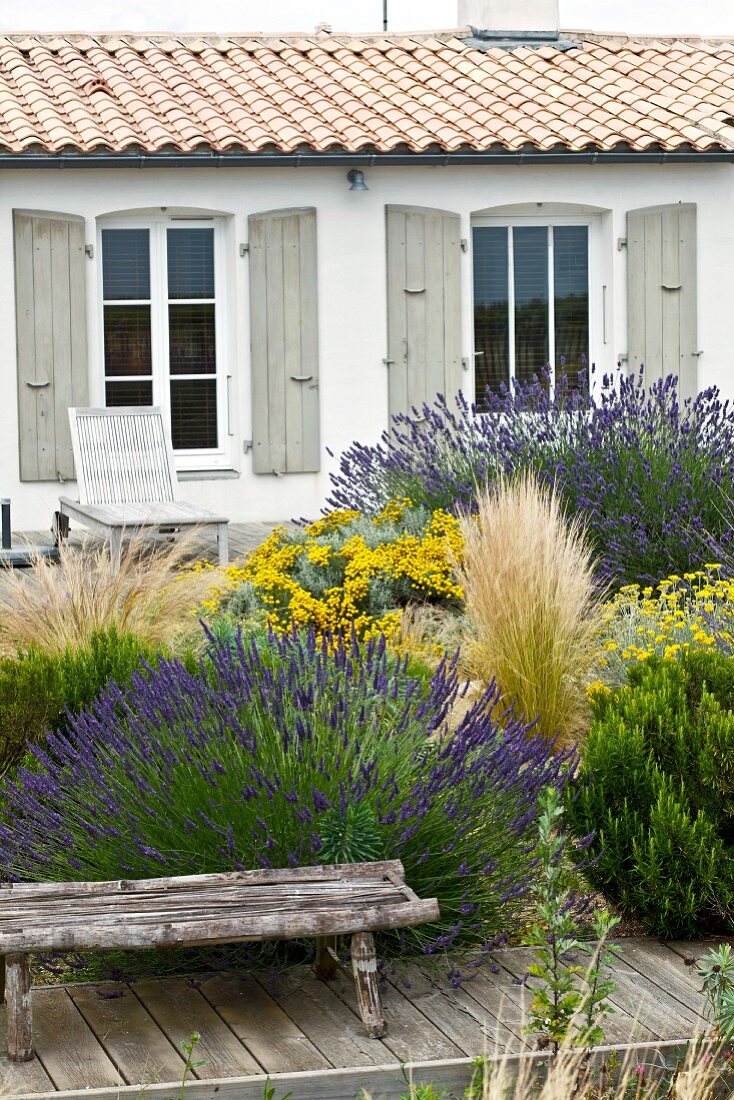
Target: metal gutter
{"x":343,"y":160}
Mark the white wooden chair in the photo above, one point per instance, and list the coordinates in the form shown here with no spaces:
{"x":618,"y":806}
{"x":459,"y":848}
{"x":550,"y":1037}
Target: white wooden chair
{"x":127,"y":477}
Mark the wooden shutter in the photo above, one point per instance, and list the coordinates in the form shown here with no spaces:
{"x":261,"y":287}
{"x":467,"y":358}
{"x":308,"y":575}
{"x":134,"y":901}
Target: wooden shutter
{"x":284,"y":342}
{"x":51,"y":333}
{"x":423,"y":305}
{"x":661,"y":293}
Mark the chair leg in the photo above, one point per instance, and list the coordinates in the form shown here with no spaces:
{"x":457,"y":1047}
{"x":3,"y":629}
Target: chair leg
{"x":324,"y":964}
{"x":20,"y":1013}
{"x":60,"y":527}
{"x":364,"y":965}
{"x":223,"y":543}
{"x":116,"y":548}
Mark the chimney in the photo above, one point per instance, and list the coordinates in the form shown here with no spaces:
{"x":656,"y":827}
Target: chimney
{"x":510,"y":15}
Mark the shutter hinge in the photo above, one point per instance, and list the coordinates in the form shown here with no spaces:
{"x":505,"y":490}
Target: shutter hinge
{"x":246,"y":446}
{"x":623,"y":358}
{"x":464,"y":244}
{"x":465,"y":363}
{"x":621,"y":243}
{"x":696,"y":354}
{"x":244,"y":249}
{"x":89,"y":249}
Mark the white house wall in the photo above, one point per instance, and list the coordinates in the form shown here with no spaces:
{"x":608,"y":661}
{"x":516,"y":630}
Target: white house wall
{"x":352,"y":293}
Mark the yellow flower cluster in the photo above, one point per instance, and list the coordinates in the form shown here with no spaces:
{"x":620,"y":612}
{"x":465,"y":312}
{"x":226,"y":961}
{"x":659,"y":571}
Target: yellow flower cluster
{"x":677,"y":614}
{"x":422,"y":563}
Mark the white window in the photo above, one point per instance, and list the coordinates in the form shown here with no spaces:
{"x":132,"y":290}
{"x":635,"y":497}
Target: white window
{"x":533,"y":300}
{"x":162,"y":307}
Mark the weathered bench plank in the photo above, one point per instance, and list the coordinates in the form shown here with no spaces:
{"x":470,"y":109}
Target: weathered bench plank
{"x":318,"y":902}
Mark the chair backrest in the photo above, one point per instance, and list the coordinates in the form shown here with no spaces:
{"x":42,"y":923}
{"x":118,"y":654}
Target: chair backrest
{"x":122,"y":456}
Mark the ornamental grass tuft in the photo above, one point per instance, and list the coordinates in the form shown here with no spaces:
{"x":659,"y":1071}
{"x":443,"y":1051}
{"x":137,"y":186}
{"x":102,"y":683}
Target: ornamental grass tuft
{"x":652,"y":477}
{"x":251,"y":762}
{"x":54,"y":607}
{"x":532,"y":605}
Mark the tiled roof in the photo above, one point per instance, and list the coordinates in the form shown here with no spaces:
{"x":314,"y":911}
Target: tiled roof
{"x":375,"y":93}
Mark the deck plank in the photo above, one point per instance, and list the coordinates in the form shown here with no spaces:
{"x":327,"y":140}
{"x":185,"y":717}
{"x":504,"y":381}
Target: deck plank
{"x":322,"y":1016}
{"x":179,"y":1009}
{"x":66,"y":1045}
{"x":469,"y":1025}
{"x":695,"y":949}
{"x":411,"y":1036}
{"x":504,"y":999}
{"x":20,"y":1078}
{"x":128,"y":1033}
{"x":262,"y":1025}
{"x":668,"y":973}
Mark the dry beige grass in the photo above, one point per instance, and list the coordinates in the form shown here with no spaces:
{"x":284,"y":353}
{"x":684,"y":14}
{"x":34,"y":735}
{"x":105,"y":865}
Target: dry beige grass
{"x":701,"y":1075}
{"x":55,"y":606}
{"x":533,"y":609}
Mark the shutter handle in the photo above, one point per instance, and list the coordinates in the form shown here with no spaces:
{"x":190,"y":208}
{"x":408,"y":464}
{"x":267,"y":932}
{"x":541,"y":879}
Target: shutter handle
{"x":301,"y":377}
{"x":670,"y":286}
{"x":415,"y":290}
{"x":38,"y":385}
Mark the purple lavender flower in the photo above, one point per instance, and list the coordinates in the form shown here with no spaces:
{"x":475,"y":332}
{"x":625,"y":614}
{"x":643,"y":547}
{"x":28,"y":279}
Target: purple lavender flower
{"x":293,"y":732}
{"x":652,"y":477}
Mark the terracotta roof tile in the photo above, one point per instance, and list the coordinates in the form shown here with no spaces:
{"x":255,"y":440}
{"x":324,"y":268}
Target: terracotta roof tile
{"x":378,"y":92}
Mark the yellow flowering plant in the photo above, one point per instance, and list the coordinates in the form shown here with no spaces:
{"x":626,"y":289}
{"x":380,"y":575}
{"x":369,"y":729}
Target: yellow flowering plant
{"x":693,"y":611}
{"x":347,"y":571}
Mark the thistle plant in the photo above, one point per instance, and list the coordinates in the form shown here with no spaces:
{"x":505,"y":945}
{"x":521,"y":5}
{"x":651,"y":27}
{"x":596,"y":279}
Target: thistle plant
{"x":569,"y":1000}
{"x":716,"y":971}
{"x":255,"y":759}
{"x":652,"y":477}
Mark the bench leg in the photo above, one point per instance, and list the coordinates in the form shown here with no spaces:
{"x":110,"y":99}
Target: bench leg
{"x":223,"y":543}
{"x":324,"y":964}
{"x":20,"y":1015}
{"x":364,"y":965}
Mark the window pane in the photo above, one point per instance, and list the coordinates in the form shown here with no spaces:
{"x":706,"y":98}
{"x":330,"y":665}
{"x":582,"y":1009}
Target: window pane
{"x":571,"y":299}
{"x":127,"y":348}
{"x":491,"y":332}
{"x":125,"y":264}
{"x":129,"y":393}
{"x":190,"y":263}
{"x":192,"y":342}
{"x":193,"y":413}
{"x":530,"y":254}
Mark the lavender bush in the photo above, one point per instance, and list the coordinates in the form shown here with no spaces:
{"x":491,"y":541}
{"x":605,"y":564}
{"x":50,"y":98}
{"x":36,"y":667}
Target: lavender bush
{"x":247,"y":762}
{"x":653,"y":478}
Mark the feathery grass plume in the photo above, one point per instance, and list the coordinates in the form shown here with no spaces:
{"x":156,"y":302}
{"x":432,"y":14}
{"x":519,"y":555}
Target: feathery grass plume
{"x":698,"y":1070}
{"x":533,"y":606}
{"x":53,"y":607}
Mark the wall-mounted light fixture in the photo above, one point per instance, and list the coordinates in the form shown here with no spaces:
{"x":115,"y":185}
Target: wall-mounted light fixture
{"x":356,"y":180}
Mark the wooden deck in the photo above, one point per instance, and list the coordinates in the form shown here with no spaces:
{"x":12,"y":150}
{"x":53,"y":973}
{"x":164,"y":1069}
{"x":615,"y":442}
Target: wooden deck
{"x":306,"y":1034}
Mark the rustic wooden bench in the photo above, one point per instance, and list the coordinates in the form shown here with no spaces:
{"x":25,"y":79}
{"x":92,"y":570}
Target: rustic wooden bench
{"x":353,"y":899}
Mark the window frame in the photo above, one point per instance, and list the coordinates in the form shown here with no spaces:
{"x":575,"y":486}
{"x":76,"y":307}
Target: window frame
{"x":595,"y":287}
{"x":190,"y":459}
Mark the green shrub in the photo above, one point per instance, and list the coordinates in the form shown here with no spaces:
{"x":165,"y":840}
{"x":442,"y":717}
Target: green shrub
{"x":285,"y":756}
{"x":657,"y":781}
{"x":37,"y":688}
